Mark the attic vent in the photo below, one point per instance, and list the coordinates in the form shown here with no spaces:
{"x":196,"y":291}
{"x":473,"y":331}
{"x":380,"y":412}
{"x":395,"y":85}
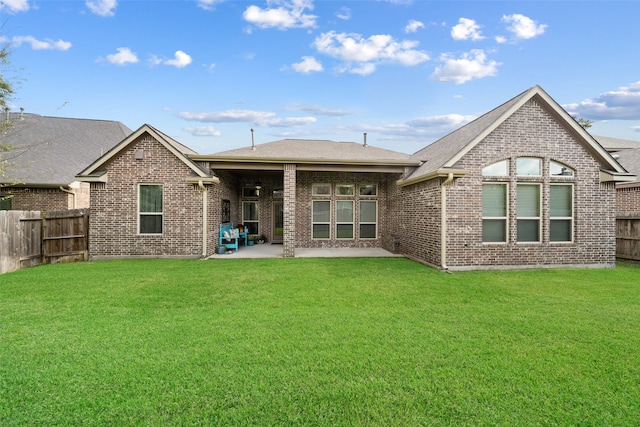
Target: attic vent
{"x":139,"y":155}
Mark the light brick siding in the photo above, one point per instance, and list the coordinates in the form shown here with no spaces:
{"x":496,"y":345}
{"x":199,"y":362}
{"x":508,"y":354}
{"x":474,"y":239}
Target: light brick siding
{"x":47,"y":199}
{"x":114,"y":206}
{"x":533,"y":132}
{"x":628,"y":201}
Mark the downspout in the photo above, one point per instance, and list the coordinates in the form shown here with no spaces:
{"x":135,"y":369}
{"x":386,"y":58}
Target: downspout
{"x":73,"y":193}
{"x":204,"y":218}
{"x":443,"y":220}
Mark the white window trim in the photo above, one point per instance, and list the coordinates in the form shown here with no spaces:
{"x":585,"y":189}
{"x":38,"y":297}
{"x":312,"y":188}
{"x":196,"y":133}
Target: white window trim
{"x":539,"y":217}
{"x":571,"y":218}
{"x":352,"y":222}
{"x":505,"y":218}
{"x":360,"y":222}
{"x":353,"y":190}
{"x":320,"y":222}
{"x":140,"y":213}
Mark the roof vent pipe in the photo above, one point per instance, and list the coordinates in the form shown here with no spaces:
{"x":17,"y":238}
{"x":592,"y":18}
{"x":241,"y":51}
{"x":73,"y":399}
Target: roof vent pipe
{"x":6,"y":110}
{"x":253,"y":145}
{"x":365,"y":140}
{"x":21,"y":113}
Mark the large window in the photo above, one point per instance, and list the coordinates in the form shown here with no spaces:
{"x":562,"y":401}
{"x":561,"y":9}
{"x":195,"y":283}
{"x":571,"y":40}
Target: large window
{"x":494,"y":212}
{"x":561,"y":213}
{"x":368,"y":219}
{"x":321,"y":219}
{"x":150,"y":209}
{"x":528,"y":200}
{"x":250,"y":216}
{"x":344,"y":219}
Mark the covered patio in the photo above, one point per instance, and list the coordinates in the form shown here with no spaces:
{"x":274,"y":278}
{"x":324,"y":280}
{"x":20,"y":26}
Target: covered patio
{"x":268,"y":250}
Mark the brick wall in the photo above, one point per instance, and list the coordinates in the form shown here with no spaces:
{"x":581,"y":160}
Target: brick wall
{"x":40,"y":199}
{"x":531,"y":131}
{"x":114,"y":215}
{"x":628,"y":201}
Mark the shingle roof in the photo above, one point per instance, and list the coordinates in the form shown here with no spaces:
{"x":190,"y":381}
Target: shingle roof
{"x":630,"y":160}
{"x":443,"y":154}
{"x":49,"y":151}
{"x":616,"y":144}
{"x":314,"y":151}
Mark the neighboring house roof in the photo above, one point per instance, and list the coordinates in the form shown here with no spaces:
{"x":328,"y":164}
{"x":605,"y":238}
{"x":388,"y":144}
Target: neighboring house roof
{"x":312,"y":151}
{"x":95,"y":171}
{"x":440,"y":157}
{"x":613,"y":145}
{"x":630,"y":159}
{"x":49,"y":151}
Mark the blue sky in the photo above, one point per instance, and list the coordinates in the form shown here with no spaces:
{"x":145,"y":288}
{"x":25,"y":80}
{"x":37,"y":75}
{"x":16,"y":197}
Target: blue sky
{"x":405,"y":72}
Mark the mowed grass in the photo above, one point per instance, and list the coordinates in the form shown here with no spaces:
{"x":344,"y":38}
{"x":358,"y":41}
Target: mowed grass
{"x":332,"y":342}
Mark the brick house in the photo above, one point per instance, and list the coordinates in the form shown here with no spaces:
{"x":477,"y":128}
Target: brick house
{"x":521,"y":186}
{"x":44,"y":156}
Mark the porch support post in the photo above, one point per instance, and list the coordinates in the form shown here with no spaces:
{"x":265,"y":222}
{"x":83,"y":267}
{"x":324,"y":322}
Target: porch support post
{"x":289,"y":211}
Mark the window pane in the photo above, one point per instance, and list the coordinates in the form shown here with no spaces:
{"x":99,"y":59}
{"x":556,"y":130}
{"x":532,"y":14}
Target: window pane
{"x":344,"y":211}
{"x":344,"y":190}
{"x":494,"y":200}
{"x":560,"y":230}
{"x":321,"y":189}
{"x":151,"y":198}
{"x":321,"y":211}
{"x":320,"y":231}
{"x":528,"y":200}
{"x":368,"y":212}
{"x":528,"y":230}
{"x":368,"y":190}
{"x":494,"y":230}
{"x":344,"y":231}
{"x":150,"y":224}
{"x":561,"y":200}
{"x":249,"y":211}
{"x":496,"y":169}
{"x":558,"y":169}
{"x":367,"y":231}
{"x":528,"y":166}
{"x":5,"y":203}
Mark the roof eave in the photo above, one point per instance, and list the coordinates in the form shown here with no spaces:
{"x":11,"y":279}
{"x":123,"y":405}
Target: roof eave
{"x":439,"y":173}
{"x":611,"y":176}
{"x":295,"y":160}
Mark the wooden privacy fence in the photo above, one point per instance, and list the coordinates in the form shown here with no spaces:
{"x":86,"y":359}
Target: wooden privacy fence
{"x":628,"y":238}
{"x":30,"y":238}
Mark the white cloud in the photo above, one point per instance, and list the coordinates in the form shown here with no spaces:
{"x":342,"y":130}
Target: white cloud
{"x":208,"y":4}
{"x":281,"y":14}
{"x":361,"y":55}
{"x":344,"y":13}
{"x":308,"y":65}
{"x":13,"y":6}
{"x":500,"y":39}
{"x":413,"y":26}
{"x":523,"y":27}
{"x":258,"y":118}
{"x":318,"y":111}
{"x":41,"y":44}
{"x":635,"y":128}
{"x":102,"y":7}
{"x":180,"y":60}
{"x":124,"y":56}
{"x":203,"y":131}
{"x":471,"y":65}
{"x":466,"y":29}
{"x":621,"y":104}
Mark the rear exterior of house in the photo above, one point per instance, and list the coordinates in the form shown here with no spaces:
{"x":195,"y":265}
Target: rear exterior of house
{"x":522,"y":186}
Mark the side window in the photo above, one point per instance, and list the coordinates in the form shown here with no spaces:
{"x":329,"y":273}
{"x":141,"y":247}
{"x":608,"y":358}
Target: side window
{"x":344,"y":219}
{"x":321,"y":219}
{"x":561,"y":213}
{"x":528,"y":201}
{"x":250,"y":216}
{"x":150,"y":209}
{"x":494,"y":212}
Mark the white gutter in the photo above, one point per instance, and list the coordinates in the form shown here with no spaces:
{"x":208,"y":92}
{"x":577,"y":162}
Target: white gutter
{"x":73,"y":193}
{"x":204,"y":218}
{"x":443,"y":220}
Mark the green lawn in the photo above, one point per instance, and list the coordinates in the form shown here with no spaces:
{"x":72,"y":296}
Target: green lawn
{"x":333,"y":342}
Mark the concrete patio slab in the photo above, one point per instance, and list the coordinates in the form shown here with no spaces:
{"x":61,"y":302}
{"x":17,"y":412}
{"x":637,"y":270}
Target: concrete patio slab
{"x":276,"y":251}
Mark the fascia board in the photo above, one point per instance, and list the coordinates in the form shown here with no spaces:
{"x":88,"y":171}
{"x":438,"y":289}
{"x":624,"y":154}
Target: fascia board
{"x":440,"y":173}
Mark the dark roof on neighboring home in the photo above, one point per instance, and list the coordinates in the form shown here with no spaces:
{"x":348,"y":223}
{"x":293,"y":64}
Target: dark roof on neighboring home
{"x":630,"y":159}
{"x":613,"y":145}
{"x":440,"y":157}
{"x":49,"y":151}
{"x":312,"y":151}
